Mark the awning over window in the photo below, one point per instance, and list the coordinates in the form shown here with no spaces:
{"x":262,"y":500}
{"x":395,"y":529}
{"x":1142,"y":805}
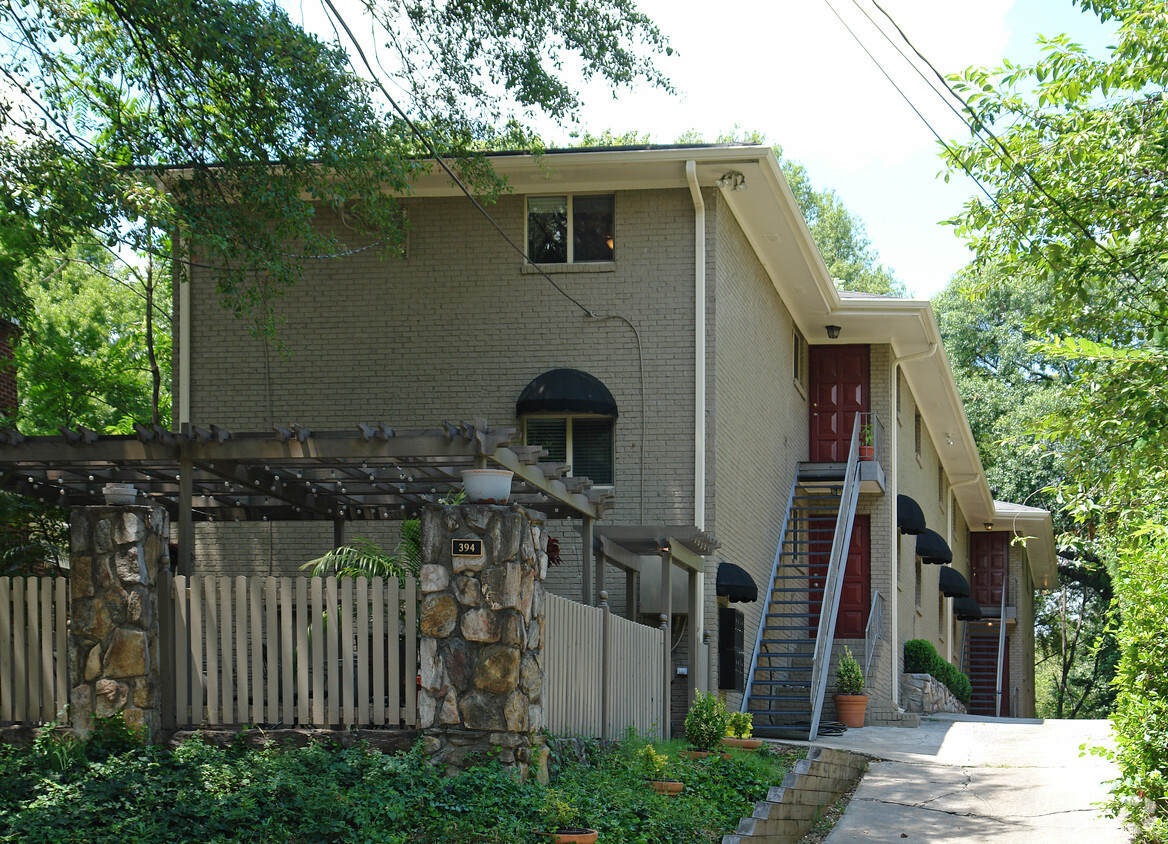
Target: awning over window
{"x":910,"y":518}
{"x":566,"y":391}
{"x":932,"y":549}
{"x":735,"y":584}
{"x":966,"y":609}
{"x":953,"y":584}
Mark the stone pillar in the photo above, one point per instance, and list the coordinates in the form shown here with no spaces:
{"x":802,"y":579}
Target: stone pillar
{"x":482,"y":637}
{"x":117,"y":555}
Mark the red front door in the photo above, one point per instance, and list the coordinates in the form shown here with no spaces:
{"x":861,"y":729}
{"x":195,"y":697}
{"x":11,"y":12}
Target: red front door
{"x":989,"y":554}
{"x":857,"y":591}
{"x":839,"y":390}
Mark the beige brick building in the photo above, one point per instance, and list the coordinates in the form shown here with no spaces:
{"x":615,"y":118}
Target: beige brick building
{"x":703,"y":306}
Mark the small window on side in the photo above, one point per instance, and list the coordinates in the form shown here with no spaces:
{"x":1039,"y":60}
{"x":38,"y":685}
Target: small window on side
{"x":801,"y":372}
{"x":917,"y":433}
{"x":570,"y":229}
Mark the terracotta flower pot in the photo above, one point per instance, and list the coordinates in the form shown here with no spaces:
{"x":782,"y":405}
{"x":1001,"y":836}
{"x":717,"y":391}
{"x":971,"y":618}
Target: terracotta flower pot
{"x":574,"y":835}
{"x":850,"y":709}
{"x":670,"y":787}
{"x":742,"y":743}
{"x":867,"y":452}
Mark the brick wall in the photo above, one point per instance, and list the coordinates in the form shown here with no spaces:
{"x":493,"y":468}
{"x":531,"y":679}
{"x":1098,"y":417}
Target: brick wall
{"x":9,"y":401}
{"x":757,"y":418}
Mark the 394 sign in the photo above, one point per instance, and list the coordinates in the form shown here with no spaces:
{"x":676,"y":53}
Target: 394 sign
{"x":466,"y":547}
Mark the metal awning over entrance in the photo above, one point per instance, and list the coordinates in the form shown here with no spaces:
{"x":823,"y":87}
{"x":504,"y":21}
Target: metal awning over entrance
{"x":291,"y":473}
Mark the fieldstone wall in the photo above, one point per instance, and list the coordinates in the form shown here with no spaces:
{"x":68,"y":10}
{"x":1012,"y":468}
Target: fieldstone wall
{"x":924,"y":694}
{"x":116,"y":554}
{"x":482,"y":636}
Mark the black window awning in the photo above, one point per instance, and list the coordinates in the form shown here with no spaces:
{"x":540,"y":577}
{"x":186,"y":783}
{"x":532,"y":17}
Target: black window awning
{"x":953,"y":584}
{"x":566,"y":391}
{"x":932,"y":549}
{"x":910,"y":518}
{"x":735,"y":584}
{"x":966,"y":609}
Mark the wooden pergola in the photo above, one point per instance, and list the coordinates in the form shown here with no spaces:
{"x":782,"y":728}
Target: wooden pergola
{"x":290,"y":473}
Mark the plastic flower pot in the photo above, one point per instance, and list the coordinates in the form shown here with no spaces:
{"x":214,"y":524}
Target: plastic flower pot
{"x":487,"y":486}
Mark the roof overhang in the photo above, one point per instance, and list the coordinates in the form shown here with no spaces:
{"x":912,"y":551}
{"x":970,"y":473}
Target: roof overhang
{"x":1033,"y":527}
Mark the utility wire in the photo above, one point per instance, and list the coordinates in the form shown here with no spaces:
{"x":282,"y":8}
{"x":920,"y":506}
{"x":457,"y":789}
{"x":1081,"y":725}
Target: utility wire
{"x":442,"y":163}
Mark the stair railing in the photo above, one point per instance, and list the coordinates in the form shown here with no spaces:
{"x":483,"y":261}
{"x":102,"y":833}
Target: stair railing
{"x":770,"y":592}
{"x":1001,"y":649}
{"x":834,"y":581}
{"x":873,"y":630}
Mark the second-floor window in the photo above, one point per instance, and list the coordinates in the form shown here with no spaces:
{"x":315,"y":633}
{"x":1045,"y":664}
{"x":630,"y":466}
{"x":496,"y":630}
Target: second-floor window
{"x":571,"y":229}
{"x":584,"y":442}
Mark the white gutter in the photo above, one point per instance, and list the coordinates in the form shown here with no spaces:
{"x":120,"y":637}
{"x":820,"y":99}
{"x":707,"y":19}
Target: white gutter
{"x":691,"y":176}
{"x":182,"y":276}
{"x":894,"y":488}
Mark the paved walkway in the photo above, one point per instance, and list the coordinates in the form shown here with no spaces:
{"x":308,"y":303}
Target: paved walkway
{"x":964,"y":778}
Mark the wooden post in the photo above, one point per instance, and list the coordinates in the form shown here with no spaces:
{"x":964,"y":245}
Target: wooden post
{"x":666,"y":727}
{"x":338,"y":531}
{"x":606,"y":730}
{"x":693,"y":638}
{"x":586,"y":560}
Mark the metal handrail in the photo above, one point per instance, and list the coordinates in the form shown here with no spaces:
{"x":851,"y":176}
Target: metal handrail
{"x":770,"y":592}
{"x":872,"y":430}
{"x":874,"y":629}
{"x":1001,"y":647}
{"x":834,"y":581}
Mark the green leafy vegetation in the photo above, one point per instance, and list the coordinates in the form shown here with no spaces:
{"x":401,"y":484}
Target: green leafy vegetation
{"x":706,"y":721}
{"x":920,"y":657}
{"x":849,"y":677}
{"x":68,"y":793}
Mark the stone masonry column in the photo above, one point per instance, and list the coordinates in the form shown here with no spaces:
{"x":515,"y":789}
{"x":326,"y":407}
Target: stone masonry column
{"x":482,"y":637}
{"x":116,"y":554}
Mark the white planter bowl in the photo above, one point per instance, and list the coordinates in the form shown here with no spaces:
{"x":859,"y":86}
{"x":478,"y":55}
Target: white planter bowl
{"x":487,"y":486}
{"x":119,"y":495}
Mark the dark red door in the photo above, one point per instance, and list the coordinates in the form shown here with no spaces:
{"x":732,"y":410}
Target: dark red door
{"x":989,"y":554}
{"x":857,"y":591}
{"x":839,"y":390}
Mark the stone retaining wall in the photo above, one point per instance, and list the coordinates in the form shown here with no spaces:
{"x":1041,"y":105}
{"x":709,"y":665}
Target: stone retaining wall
{"x":925,"y":694}
{"x":789,"y":809}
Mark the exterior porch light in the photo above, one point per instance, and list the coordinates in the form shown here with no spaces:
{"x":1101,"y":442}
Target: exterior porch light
{"x":833,"y":332}
{"x":989,"y":525}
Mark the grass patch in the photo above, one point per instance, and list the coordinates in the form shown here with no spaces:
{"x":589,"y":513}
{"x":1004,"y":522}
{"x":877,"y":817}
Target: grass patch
{"x":64,"y":792}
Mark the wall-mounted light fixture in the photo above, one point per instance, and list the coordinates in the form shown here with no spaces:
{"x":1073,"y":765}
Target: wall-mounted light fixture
{"x":833,"y":332}
{"x":948,"y":438}
{"x":989,"y":525}
{"x":732,"y":181}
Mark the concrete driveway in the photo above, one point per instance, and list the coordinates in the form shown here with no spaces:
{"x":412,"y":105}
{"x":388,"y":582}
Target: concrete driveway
{"x":965,"y":778}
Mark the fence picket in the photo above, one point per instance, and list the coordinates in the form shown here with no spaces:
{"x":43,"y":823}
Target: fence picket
{"x":45,"y":634}
{"x":345,"y":636}
{"x":211,"y":606}
{"x":317,"y":647}
{"x":19,"y":654}
{"x":377,"y":658}
{"x":396,"y":698}
{"x":271,"y":648}
{"x":242,"y":686}
{"x":255,"y":599}
{"x":287,"y":678}
{"x":362,"y":625}
{"x":331,"y":656}
{"x":226,"y":684}
{"x":410,"y":634}
{"x":33,"y":664}
{"x":7,"y":638}
{"x":62,"y":634}
{"x":303,"y":713}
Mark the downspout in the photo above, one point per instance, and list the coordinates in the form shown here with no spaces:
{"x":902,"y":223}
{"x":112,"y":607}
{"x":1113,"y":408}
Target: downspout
{"x":182,"y":279}
{"x":949,"y":538}
{"x":894,"y":487}
{"x":691,"y":176}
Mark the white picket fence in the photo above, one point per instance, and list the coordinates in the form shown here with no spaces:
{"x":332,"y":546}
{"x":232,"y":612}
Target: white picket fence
{"x":34,"y":679}
{"x":603,"y":673}
{"x":317,"y":652}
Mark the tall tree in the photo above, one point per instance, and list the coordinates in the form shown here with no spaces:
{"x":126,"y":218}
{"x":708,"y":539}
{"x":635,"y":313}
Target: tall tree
{"x":1074,"y":150}
{"x":224,"y":125}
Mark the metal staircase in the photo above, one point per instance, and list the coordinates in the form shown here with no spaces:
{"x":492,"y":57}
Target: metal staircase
{"x":787,"y":681}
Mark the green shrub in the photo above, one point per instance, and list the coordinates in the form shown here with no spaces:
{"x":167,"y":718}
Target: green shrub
{"x":920,"y":657}
{"x":849,"y":677}
{"x":706,"y":721}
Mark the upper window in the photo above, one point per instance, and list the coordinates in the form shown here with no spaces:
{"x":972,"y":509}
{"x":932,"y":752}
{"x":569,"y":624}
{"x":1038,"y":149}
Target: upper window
{"x":799,"y":359}
{"x":570,"y":229}
{"x":917,"y":433}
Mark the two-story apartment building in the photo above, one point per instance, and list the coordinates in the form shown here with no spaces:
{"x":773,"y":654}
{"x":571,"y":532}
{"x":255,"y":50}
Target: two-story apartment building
{"x":709,"y":371}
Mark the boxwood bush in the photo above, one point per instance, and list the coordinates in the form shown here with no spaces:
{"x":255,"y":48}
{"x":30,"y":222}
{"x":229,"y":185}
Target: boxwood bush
{"x":920,"y":657}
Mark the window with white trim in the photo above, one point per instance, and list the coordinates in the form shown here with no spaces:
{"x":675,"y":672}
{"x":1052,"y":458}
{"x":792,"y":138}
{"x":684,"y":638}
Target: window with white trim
{"x":585,"y":443}
{"x":801,"y":370}
{"x":570,"y":229}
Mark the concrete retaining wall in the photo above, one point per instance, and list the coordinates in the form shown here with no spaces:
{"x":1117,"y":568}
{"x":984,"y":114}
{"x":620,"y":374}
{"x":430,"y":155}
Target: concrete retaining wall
{"x":789,"y":809}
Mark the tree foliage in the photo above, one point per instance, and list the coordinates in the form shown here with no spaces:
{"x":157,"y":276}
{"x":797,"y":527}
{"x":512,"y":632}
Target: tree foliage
{"x":224,"y":125}
{"x":1076,"y":167}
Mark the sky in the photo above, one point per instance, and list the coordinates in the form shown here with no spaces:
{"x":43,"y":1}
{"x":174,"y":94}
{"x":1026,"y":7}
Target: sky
{"x":790,"y":70}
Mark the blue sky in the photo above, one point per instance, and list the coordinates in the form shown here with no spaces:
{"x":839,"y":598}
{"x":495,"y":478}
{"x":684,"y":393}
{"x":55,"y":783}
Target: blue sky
{"x":789,"y":69}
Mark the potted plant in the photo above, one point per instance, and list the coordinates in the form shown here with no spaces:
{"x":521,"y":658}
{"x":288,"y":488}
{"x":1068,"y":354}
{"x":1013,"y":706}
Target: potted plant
{"x":867,"y":442}
{"x":563,"y":819}
{"x":850,"y":700}
{"x":705,"y":724}
{"x":655,"y":768}
{"x":738,"y":729}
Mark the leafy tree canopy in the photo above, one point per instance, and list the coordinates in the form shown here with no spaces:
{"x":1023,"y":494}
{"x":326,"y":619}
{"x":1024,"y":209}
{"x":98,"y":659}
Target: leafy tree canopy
{"x":224,"y":124}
